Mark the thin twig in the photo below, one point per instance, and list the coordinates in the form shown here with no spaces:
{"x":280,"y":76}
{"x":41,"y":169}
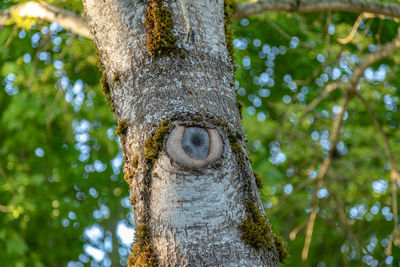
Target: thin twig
{"x":353,"y":31}
{"x":3,"y":173}
{"x":343,"y":219}
{"x":8,"y":42}
{"x":300,"y":186}
{"x":327,"y":39}
{"x":334,"y":138}
{"x":286,"y":35}
{"x":384,"y":51}
{"x":3,"y":208}
{"x":47,"y":12}
{"x":358,"y":72}
{"x":327,"y":90}
{"x":394,"y":173}
{"x":296,"y":230}
{"x":356,"y":6}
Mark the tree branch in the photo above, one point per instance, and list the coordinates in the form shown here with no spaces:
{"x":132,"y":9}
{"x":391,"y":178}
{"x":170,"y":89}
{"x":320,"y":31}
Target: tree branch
{"x":296,"y":230}
{"x":343,"y":218}
{"x":384,"y":51}
{"x":284,"y":34}
{"x":323,"y":172}
{"x":47,"y":12}
{"x":353,"y":31}
{"x":350,"y":87}
{"x":3,"y":208}
{"x":357,"y":6}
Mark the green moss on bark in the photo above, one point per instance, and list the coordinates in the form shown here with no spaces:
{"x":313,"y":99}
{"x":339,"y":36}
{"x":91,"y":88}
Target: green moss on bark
{"x":154,"y":143}
{"x":281,"y":247}
{"x":116,"y":77}
{"x":105,"y":87}
{"x":233,"y":140}
{"x":229,"y":10}
{"x":160,"y":40}
{"x":143,"y":253}
{"x":128,"y":176}
{"x":142,"y":250}
{"x":122,"y":128}
{"x":256,"y":231}
{"x":255,"y":228}
{"x":135,"y":162}
{"x":258,"y":179}
{"x":240,"y":108}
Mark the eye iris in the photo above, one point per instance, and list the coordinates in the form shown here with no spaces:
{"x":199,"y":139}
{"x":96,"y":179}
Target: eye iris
{"x":196,"y":143}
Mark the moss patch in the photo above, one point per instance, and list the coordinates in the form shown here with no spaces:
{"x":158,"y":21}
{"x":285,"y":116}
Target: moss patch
{"x":229,"y":10}
{"x":255,"y":228}
{"x":116,"y":77}
{"x":281,"y":247}
{"x":128,"y":176}
{"x":143,"y":252}
{"x":122,"y":128}
{"x":135,"y":162}
{"x":160,"y":40}
{"x":233,"y":140}
{"x":240,"y":108}
{"x":105,"y":87}
{"x":256,"y":231}
{"x":154,"y":143}
{"x":258,"y":179}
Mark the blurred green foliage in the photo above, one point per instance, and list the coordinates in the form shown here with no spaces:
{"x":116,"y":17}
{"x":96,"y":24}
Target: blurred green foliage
{"x":60,"y":167}
{"x":285,"y":61}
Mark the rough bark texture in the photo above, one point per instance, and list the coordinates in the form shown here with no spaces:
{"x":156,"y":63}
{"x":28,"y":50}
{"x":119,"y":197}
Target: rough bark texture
{"x":193,"y":214}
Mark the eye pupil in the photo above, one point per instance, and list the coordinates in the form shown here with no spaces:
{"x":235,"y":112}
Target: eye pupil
{"x":196,"y":142}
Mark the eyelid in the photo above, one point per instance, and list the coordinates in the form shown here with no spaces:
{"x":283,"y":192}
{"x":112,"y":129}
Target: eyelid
{"x":176,"y":152}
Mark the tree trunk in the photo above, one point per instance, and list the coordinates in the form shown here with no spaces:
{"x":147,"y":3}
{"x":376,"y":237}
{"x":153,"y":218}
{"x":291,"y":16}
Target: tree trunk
{"x":194,"y":194}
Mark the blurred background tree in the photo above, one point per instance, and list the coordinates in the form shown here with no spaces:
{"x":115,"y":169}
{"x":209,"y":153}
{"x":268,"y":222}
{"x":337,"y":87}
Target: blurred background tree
{"x":321,"y":98}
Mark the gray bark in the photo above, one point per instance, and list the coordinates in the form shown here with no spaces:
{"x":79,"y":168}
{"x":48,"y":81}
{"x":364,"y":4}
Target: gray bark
{"x":193,"y":212}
